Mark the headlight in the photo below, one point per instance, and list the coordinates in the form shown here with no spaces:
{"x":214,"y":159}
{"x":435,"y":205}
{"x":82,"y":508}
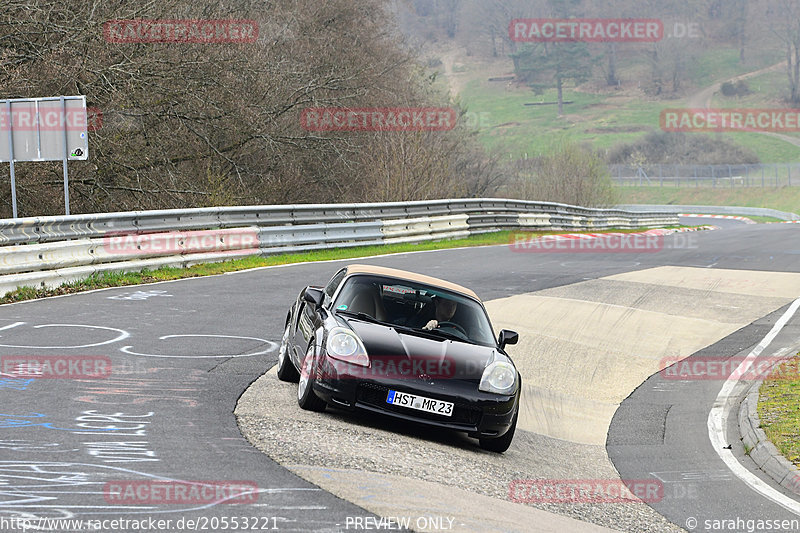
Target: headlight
{"x":499,"y":377}
{"x":345,"y":345}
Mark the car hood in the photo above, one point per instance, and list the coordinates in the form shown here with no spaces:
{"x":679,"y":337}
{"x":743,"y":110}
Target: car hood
{"x":408,"y":355}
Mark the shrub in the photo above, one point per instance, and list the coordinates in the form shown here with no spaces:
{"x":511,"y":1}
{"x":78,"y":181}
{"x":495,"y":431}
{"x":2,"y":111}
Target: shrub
{"x":568,"y":173}
{"x":682,"y":149}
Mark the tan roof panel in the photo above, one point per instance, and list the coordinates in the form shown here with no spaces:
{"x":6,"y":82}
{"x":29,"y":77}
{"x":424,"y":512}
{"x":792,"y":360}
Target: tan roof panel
{"x":411,"y":276}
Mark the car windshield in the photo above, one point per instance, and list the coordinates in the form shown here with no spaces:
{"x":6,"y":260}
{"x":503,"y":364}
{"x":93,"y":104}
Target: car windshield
{"x":414,"y":305}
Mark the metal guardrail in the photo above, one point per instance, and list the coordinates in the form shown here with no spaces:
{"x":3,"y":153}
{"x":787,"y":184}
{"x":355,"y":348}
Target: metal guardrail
{"x":712,"y":210}
{"x":48,"y":251}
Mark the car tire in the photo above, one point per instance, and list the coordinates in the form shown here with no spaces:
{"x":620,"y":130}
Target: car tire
{"x":286,"y":369}
{"x":306,"y":397}
{"x":502,"y":443}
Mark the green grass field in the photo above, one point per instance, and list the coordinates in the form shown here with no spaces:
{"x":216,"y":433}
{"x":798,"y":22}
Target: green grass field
{"x":519,"y":130}
{"x":782,"y":199}
{"x":778,"y":399}
{"x":607,"y":119}
{"x":719,"y":64}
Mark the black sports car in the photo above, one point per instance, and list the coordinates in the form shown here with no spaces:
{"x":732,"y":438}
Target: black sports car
{"x":404,"y":345}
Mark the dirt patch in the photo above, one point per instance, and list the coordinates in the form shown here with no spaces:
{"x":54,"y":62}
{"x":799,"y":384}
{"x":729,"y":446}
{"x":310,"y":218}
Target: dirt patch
{"x":619,"y":129}
{"x":459,"y":69}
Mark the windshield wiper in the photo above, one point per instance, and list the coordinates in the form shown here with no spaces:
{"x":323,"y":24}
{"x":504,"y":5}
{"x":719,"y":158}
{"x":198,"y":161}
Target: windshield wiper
{"x":435,"y":333}
{"x":364,"y":316}
{"x":450,"y":336}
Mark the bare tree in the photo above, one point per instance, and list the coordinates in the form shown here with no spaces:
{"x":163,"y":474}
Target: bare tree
{"x":487,"y":21}
{"x":193,"y":124}
{"x":566,"y":173}
{"x":784,"y":22}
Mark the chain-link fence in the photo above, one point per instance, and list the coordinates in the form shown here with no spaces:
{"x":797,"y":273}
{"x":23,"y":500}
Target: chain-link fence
{"x":660,"y":175}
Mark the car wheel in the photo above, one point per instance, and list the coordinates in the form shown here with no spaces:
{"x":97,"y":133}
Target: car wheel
{"x":306,"y":397}
{"x":501,"y":444}
{"x":286,"y":369}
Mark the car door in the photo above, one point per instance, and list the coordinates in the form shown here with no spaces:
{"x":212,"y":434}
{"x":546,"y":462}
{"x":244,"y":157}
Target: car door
{"x":308,"y":318}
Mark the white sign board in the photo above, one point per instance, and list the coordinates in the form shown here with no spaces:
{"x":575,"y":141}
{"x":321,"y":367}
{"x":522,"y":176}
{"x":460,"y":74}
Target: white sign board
{"x":43,"y":129}
{"x":38,"y":128}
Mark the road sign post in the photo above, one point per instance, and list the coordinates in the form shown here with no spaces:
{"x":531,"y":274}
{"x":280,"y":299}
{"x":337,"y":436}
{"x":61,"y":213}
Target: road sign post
{"x":11,"y":160}
{"x":66,"y":153}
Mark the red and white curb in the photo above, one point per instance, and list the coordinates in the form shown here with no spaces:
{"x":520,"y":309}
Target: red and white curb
{"x":658,"y":231}
{"x":617,"y":242}
{"x":728,"y":217}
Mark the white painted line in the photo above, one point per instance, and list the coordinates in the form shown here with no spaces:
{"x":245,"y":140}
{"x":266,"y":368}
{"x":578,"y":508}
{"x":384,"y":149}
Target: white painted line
{"x":728,"y":217}
{"x":15,"y":324}
{"x":122,"y":336}
{"x":718,"y":417}
{"x":272,"y":347}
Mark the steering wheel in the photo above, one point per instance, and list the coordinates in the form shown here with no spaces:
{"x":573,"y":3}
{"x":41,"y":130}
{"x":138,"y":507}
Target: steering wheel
{"x":455,"y":326}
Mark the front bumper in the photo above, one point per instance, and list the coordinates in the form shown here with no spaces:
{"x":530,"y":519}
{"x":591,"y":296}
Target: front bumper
{"x":480,"y":414}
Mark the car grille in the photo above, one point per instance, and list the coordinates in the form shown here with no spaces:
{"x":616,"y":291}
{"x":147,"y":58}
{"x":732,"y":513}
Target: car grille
{"x":375,"y":395}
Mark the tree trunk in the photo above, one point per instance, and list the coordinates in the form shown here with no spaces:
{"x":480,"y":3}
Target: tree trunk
{"x":796,"y":74}
{"x":742,"y":41}
{"x":792,"y":72}
{"x":611,"y":77}
{"x":560,"y":96}
{"x":742,"y":29}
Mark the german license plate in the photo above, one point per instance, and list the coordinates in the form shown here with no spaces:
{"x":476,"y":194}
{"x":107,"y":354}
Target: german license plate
{"x":420,"y":403}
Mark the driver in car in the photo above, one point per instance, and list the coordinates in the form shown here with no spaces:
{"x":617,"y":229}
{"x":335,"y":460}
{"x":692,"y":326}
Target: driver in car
{"x":445,"y":309}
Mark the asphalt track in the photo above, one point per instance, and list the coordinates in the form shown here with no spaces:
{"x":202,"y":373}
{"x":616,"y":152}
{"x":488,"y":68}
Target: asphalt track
{"x":182,"y":353}
{"x":661,"y":432}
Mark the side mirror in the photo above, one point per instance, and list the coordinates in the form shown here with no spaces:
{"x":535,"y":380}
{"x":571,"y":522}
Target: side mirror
{"x":314,"y":296}
{"x":507,"y":337}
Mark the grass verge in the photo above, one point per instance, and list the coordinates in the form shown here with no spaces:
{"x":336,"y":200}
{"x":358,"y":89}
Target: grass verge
{"x":121,"y":279}
{"x":778,"y":401}
{"x":761,"y":220}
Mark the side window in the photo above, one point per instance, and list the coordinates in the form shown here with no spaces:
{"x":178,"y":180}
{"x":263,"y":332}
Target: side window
{"x":333,"y":284}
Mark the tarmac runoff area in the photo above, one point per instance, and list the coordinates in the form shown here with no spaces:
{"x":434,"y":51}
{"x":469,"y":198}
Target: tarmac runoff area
{"x":583,"y":349}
